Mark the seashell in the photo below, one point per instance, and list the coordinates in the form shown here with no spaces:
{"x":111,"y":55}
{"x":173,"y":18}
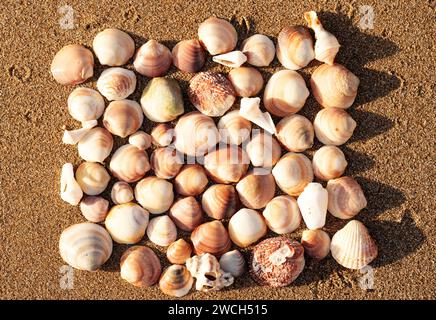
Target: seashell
{"x":313,"y":205}
{"x":256,"y":189}
{"x":152,"y":59}
{"x":211,"y":93}
{"x":292,"y":173}
{"x":329,"y":163}
{"x":191,"y":180}
{"x":140,"y":266}
{"x":282,"y":214}
{"x":333,"y":126}
{"x":334,"y":86}
{"x":122,"y":118}
{"x":326,"y":44}
{"x":250,"y":110}
{"x":285,"y":93}
{"x":121,"y":193}
{"x":74,"y":136}
{"x":162,"y":231}
{"x":259,"y":49}
{"x":85,"y":104}
{"x":179,"y":251}
{"x":85,"y":246}
{"x":189,"y":56}
{"x":94,"y":208}
{"x":295,"y":133}
{"x":176,"y":281}
{"x":353,"y":247}
{"x":263,"y":150}
{"x":196,"y":134}
{"x":246,"y":227}
{"x":276,"y":262}
{"x":345,"y":197}
{"x":316,"y":243}
{"x":227,"y":164}
{"x":73,"y":64}
{"x":220,"y":201}
{"x":116,"y":83}
{"x":233,"y":262}
{"x":129,"y":163}
{"x":233,"y":59}
{"x":162,"y":135}
{"x":162,"y":100}
{"x":246,"y":81}
{"x":295,"y":47}
{"x":166,"y":162}
{"x":96,"y":145}
{"x":92,"y":178}
{"x":186,"y":213}
{"x":113,"y":47}
{"x":141,"y":140}
{"x":211,"y":237}
{"x":233,"y":128}
{"x":127,"y":222}
{"x":217,"y":35}
{"x":70,"y":189}
{"x":154,"y":194}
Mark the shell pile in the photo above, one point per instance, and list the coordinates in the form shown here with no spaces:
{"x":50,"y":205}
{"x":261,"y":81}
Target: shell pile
{"x":215,"y":179}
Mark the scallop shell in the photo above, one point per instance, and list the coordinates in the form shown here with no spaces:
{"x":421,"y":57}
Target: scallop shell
{"x":250,"y":110}
{"x":233,"y":262}
{"x":220,"y":201}
{"x":94,"y":208}
{"x":166,"y":162}
{"x":96,"y":145}
{"x":85,"y":104}
{"x":116,"y":83}
{"x":123,"y":118}
{"x":154,"y":194}
{"x":176,"y":281}
{"x":316,"y":243}
{"x":129,"y":163}
{"x":295,"y":47}
{"x":259,"y":49}
{"x":140,"y":266}
{"x":282,"y":214}
{"x":217,"y":35}
{"x":313,"y":205}
{"x":256,"y":189}
{"x":162,"y":135}
{"x":227,"y":164}
{"x":141,"y":140}
{"x":233,"y":128}
{"x":162,"y":231}
{"x":71,"y":191}
{"x":211,"y":237}
{"x":246,"y":227}
{"x":186,"y":213}
{"x":92,"y":178}
{"x":179,"y":251}
{"x":233,"y":59}
{"x":85,"y":246}
{"x":246,"y":81}
{"x":295,"y":133}
{"x":189,"y":56}
{"x":191,"y":180}
{"x":333,"y":126}
{"x":121,"y":193}
{"x":329,"y":163}
{"x":152,"y":59}
{"x":113,"y":47}
{"x":263,"y":150}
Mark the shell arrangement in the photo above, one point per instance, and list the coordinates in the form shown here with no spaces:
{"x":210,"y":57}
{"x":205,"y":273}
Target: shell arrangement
{"x":224,"y":204}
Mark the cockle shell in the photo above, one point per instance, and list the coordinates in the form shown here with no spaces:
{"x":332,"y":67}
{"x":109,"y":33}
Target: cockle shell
{"x":121,"y":193}
{"x":122,"y":118}
{"x":162,"y":231}
{"x":316,"y":243}
{"x":313,"y":205}
{"x":186,"y":213}
{"x":176,"y":281}
{"x":295,"y":47}
{"x":96,"y":145}
{"x":92,"y":178}
{"x":353,"y":247}
{"x":285,"y":93}
{"x":333,"y":126}
{"x":292,"y":173}
{"x":233,"y":128}
{"x":227,"y":164}
{"x":73,"y":64}
{"x":233,"y":262}
{"x":282,"y":214}
{"x":246,"y":227}
{"x":256,"y":189}
{"x":263,"y":150}
{"x":74,"y":136}
{"x":113,"y":47}
{"x":179,"y":251}
{"x":85,"y":246}
{"x":329,"y":163}
{"x":116,"y":83}
{"x":140,"y":266}
{"x":71,"y":191}
{"x":154,"y":194}
{"x":191,"y":180}
{"x":94,"y":208}
{"x":276,"y":262}
{"x":295,"y":133}
{"x":152,"y":59}
{"x":217,"y":35}
{"x":211,"y":237}
{"x":127,"y":222}
{"x":166,"y":162}
{"x":233,"y":59}
{"x":141,"y":140}
{"x":259,"y":49}
{"x":220,"y":201}
{"x":345,"y":197}
{"x":129,"y":163}
{"x":189,"y":56}
{"x":85,"y":104}
{"x":162,"y":135}
{"x":246,"y":81}
{"x":250,"y":110}
{"x":211,"y":93}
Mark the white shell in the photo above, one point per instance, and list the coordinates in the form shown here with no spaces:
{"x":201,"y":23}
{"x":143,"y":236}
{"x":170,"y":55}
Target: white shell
{"x":116,"y":83}
{"x":233,"y":262}
{"x":329,"y":163}
{"x":96,"y":145}
{"x":282,"y":214}
{"x":233,"y":59}
{"x":74,"y":136}
{"x":250,"y":110}
{"x":162,"y":231}
{"x":85,"y":104}
{"x":94,"y":208}
{"x":141,"y":140}
{"x":313,"y":205}
{"x":92,"y":178}
{"x":121,"y":193}
{"x":70,"y":189}
{"x":246,"y":227}
{"x":259,"y":49}
{"x":154,"y":194}
{"x":113,"y":47}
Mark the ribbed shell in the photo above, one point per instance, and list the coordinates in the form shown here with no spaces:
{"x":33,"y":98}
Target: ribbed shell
{"x":140,"y":266}
{"x":346,"y":197}
{"x":116,"y":83}
{"x":233,"y":262}
{"x":189,"y":56}
{"x":295,"y":133}
{"x":129,"y":163}
{"x":220,"y":201}
{"x":333,"y":126}
{"x":179,"y":251}
{"x":152,"y":59}
{"x":176,"y":281}
{"x":186,"y":213}
{"x":211,"y":237}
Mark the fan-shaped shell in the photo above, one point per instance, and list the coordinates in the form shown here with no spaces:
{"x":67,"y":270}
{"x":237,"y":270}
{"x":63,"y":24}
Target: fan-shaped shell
{"x":211,"y":237}
{"x":227,"y":164}
{"x":282,"y":214}
{"x":246,"y":81}
{"x":189,"y":56}
{"x":154,"y":194}
{"x":85,"y":104}
{"x":129,"y":163}
{"x":256,"y":189}
{"x":329,"y":163}
{"x":116,"y":83}
{"x":94,"y":208}
{"x":152,"y":59}
{"x":259,"y":49}
{"x":121,"y":193}
{"x":186,"y":213}
{"x":333,"y":126}
{"x":295,"y":133}
{"x":162,"y":231}
{"x":96,"y":145}
{"x":295,"y":47}
{"x":166,"y":162}
{"x":233,"y":128}
{"x":176,"y":281}
{"x":233,"y":262}
{"x":92,"y":178}
{"x":217,"y":35}
{"x":246,"y":227}
{"x":220,"y":201}
{"x":122,"y":118}
{"x":113,"y":47}
{"x":140,"y":266}
{"x":191,"y":180}
{"x":263,"y":150}
{"x":179,"y":251}
{"x":316,"y":243}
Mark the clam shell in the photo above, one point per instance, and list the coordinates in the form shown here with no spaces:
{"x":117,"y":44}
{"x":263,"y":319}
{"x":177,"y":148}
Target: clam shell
{"x":345,"y":197}
{"x":140,"y":266}
{"x":246,"y":81}
{"x":217,"y":35}
{"x":256,"y":189}
{"x":96,"y":145}
{"x":246,"y":227}
{"x":329,"y":163}
{"x":129,"y":163}
{"x":162,"y":135}
{"x":179,"y":251}
{"x":313,"y":205}
{"x":154,"y":194}
{"x":162,"y":231}
{"x":282,"y":214}
{"x":71,"y":191}
{"x":333,"y":126}
{"x":233,"y":128}
{"x":94,"y":208}
{"x":316,"y":243}
{"x":92,"y":178}
{"x":152,"y":59}
{"x":233,"y":59}
{"x":113,"y":47}
{"x":295,"y":47}
{"x":121,"y":193}
{"x":220,"y":201}
{"x":116,"y":83}
{"x":85,"y":104}
{"x":141,"y":140}
{"x":123,"y":118}
{"x":263,"y":150}
{"x":227,"y":164}
{"x":166,"y":162}
{"x":186,"y":213}
{"x":295,"y":133}
{"x":259,"y":49}
{"x":176,"y":281}
{"x":211,"y":237}
{"x":233,"y":262}
{"x":189,"y":56}
{"x":191,"y":180}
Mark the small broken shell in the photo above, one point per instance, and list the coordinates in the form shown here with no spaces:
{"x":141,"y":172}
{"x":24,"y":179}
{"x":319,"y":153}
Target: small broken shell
{"x":211,"y":237}
{"x":94,"y":208}
{"x":186,"y":213}
{"x":295,"y":47}
{"x":85,"y":104}
{"x":220,"y":201}
{"x":250,"y":110}
{"x":333,"y":126}
{"x":292,"y":173}
{"x":162,"y":231}
{"x":329,"y":163}
{"x":116,"y":83}
{"x":263,"y":150}
{"x":246,"y":81}
{"x":191,"y":180}
{"x":176,"y":281}
{"x":71,"y":191}
{"x":74,"y":136}
{"x":345,"y":197}
{"x":316,"y":243}
{"x":189,"y":56}
{"x":140,"y":266}
{"x":233,"y":128}
{"x":92,"y":178}
{"x":233,"y":59}
{"x":259,"y":49}
{"x":152,"y":59}
{"x":141,"y":140}
{"x":227,"y":164}
{"x":129,"y":163}
{"x":113,"y":47}
{"x":166,"y":162}
{"x":126,"y":223}
{"x":285,"y":93}
{"x":179,"y":251}
{"x":73,"y":64}
{"x":233,"y":262}
{"x":313,"y":205}
{"x":217,"y":35}
{"x":154,"y":194}
{"x":295,"y":133}
{"x":122,"y":118}
{"x":96,"y":145}
{"x":121,"y":193}
{"x":162,"y":135}
{"x":282,"y":214}
{"x":246,"y":227}
{"x":256,"y":189}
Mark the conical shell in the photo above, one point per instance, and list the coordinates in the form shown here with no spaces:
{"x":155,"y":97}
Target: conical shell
{"x":233,"y":59}
{"x":250,"y":110}
{"x":129,"y":163}
{"x":259,"y":49}
{"x":313,"y":205}
{"x":140,"y":266}
{"x":92,"y":178}
{"x":116,"y":83}
{"x":233,"y":262}
{"x":113,"y":47}
{"x":211,"y":237}
{"x":295,"y":133}
{"x":71,"y":191}
{"x":166,"y":162}
{"x":152,"y":59}
{"x":295,"y":47}
{"x":162,"y":231}
{"x":154,"y":194}
{"x":220,"y":201}
{"x":316,"y":243}
{"x":345,"y":197}
{"x":256,"y":189}
{"x":246,"y":81}
{"x":246,"y":227}
{"x":96,"y":145}
{"x":227,"y":164}
{"x":233,"y":128}
{"x":329,"y":163}
{"x":121,"y":193}
{"x":263,"y":150}
{"x":141,"y":140}
{"x":74,"y":136}
{"x":186,"y":213}
{"x":94,"y":208}
{"x":189,"y":56}
{"x":162,"y":135}
{"x":333,"y":126}
{"x":191,"y":180}
{"x":217,"y":35}
{"x":122,"y":118}
{"x":85,"y":104}
{"x":176,"y":281}
{"x":282,"y":214}
{"x":179,"y":251}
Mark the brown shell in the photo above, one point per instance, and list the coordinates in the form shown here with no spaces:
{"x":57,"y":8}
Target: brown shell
{"x":186,"y":213}
{"x":333,"y":126}
{"x":256,"y":189}
{"x":152,"y":59}
{"x":162,"y":135}
{"x":316,"y":243}
{"x":189,"y":56}
{"x":263,"y":150}
{"x":140,"y":266}
{"x":295,"y":133}
{"x":179,"y":251}
{"x":166,"y":162}
{"x":246,"y":81}
{"x":123,"y":117}
{"x":227,"y":164}
{"x":191,"y":180}
{"x":220,"y":201}
{"x":295,"y":47}
{"x":176,"y":281}
{"x":94,"y":208}
{"x":211,"y":237}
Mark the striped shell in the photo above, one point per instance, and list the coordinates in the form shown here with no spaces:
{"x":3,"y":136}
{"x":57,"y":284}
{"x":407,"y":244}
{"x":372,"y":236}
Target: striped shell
{"x":129,"y":163}
{"x":345,"y":197}
{"x":176,"y":281}
{"x":94,"y":208}
{"x":316,"y":243}
{"x":295,"y":133}
{"x":121,"y":193}
{"x":329,"y":163}
{"x":263,"y":150}
{"x":259,"y":49}
{"x":166,"y":162}
{"x":92,"y":178}
{"x":116,"y":83}
{"x":189,"y":56}
{"x":140,"y":266}
{"x":191,"y":180}
{"x":233,"y":262}
{"x":186,"y":213}
{"x":152,"y":59}
{"x":233,"y":128}
{"x":227,"y":164}
{"x":256,"y":189}
{"x":282,"y":214}
{"x":85,"y":104}
{"x":123,"y":118}
{"x":179,"y":251}
{"x":211,"y":237}
{"x":220,"y":201}
{"x":162,"y":231}
{"x":96,"y":145}
{"x":333,"y":126}
{"x":217,"y":35}
{"x":295,"y":47}
{"x":154,"y":194}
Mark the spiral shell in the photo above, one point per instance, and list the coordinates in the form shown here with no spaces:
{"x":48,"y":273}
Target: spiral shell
{"x":259,"y":49}
{"x":162,"y":135}
{"x":217,"y":35}
{"x":186,"y":213}
{"x":233,"y":128}
{"x":191,"y":180}
{"x":256,"y":189}
{"x":333,"y":126}
{"x":116,"y":83}
{"x":129,"y":163}
{"x":316,"y":243}
{"x":263,"y":150}
{"x":140,"y":266}
{"x":220,"y":201}
{"x":85,"y":104}
{"x":233,"y":262}
{"x":329,"y":163}
{"x":282,"y":214}
{"x":141,"y":140}
{"x":176,"y":281}
{"x":96,"y":145}
{"x":227,"y":164}
{"x":246,"y":227}
{"x":162,"y":231}
{"x":122,"y":118}
{"x":152,"y":59}
{"x":295,"y":133}
{"x":179,"y":251}
{"x":295,"y":47}
{"x":189,"y":56}
{"x":250,"y":110}
{"x":113,"y":47}
{"x":166,"y":162}
{"x":94,"y":208}
{"x":121,"y":193}
{"x":211,"y":237}
{"x":154,"y":194}
{"x":92,"y":178}
{"x":246,"y":81}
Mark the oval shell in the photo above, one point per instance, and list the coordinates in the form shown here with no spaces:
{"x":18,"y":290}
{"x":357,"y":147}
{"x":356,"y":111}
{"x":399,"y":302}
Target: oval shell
{"x":140,"y":266}
{"x":313,"y":205}
{"x":295,"y":47}
{"x":85,"y":104}
{"x":179,"y":251}
{"x":211,"y":237}
{"x":345,"y":197}
{"x":316,"y":243}
{"x":246,"y":227}
{"x":113,"y":47}
{"x":189,"y":56}
{"x":92,"y":178}
{"x":186,"y":213}
{"x":256,"y":189}
{"x":227,"y":164}
{"x":94,"y":208}
{"x":121,"y":193}
{"x":259,"y":49}
{"x":295,"y":133}
{"x":191,"y":180}
{"x":129,"y":163}
{"x":246,"y":81}
{"x":141,"y":140}
{"x":166,"y":162}
{"x":162,"y":231}
{"x":217,"y":35}
{"x":162,"y":135}
{"x":329,"y":163}
{"x":123,"y":118}
{"x":233,"y":262}
{"x":96,"y":145}
{"x":282,"y":214}
{"x":116,"y":83}
{"x":220,"y":201}
{"x":152,"y":59}
{"x":333,"y":126}
{"x":176,"y":281}
{"x":233,"y":128}
{"x":154,"y":194}
{"x":263,"y":150}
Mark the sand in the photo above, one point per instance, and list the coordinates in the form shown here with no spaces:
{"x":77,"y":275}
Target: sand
{"x":390,"y":154}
